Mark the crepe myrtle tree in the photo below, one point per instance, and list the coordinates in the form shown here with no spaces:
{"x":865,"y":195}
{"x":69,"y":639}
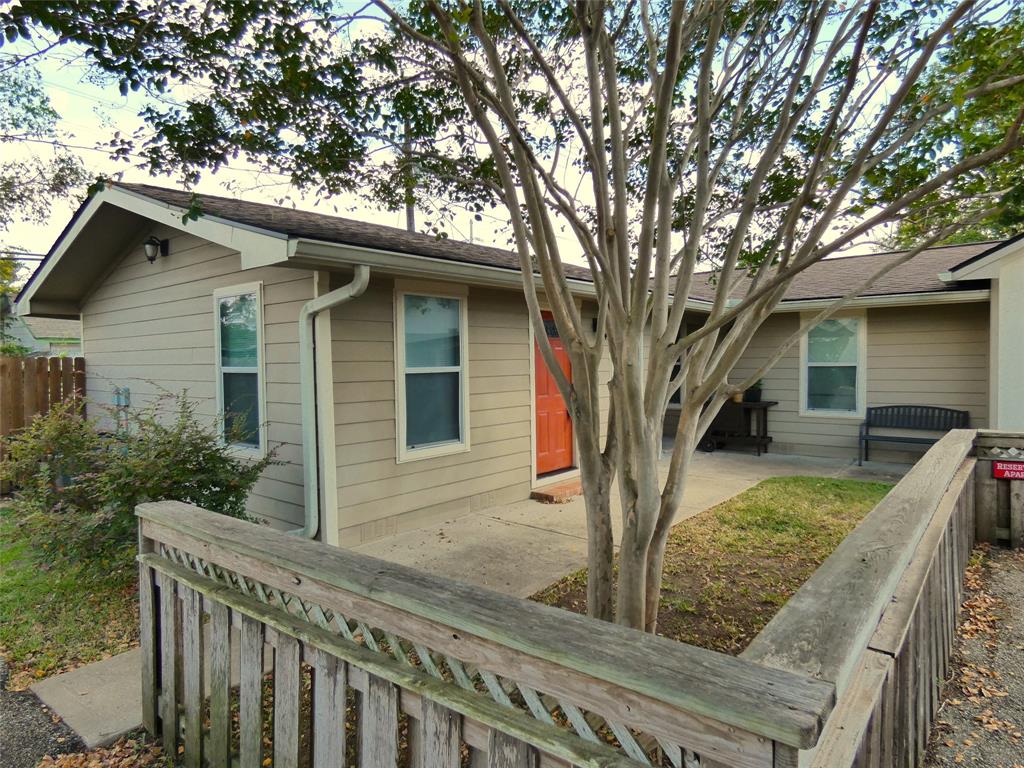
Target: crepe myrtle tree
{"x":656,"y":139}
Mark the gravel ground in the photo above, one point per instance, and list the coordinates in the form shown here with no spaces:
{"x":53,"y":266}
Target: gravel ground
{"x":28,"y":730}
{"x":981,"y":722}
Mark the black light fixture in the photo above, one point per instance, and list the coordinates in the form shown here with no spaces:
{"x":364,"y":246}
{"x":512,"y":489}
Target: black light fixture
{"x":154,"y":247}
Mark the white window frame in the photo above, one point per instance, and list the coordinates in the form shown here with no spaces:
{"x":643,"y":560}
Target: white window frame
{"x":461,"y":293}
{"x":241,"y":449}
{"x":862,"y":360}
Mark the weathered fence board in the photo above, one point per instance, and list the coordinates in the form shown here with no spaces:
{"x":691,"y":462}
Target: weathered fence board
{"x":286,"y":702}
{"x":218,"y":751}
{"x":1000,"y":510}
{"x":250,"y":693}
{"x":911,"y":550}
{"x":447,"y":674}
{"x":329,"y":703}
{"x":452,"y":663}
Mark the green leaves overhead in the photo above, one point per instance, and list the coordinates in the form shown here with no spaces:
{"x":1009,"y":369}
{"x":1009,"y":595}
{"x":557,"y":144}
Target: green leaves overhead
{"x":339,"y":96}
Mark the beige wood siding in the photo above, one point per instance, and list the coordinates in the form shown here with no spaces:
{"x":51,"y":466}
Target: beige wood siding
{"x":376,"y":495}
{"x":150,"y":327}
{"x":933,"y":355}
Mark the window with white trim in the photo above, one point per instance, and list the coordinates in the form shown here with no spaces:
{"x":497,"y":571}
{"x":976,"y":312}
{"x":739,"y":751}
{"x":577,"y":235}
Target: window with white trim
{"x":238,"y":322}
{"x":833,"y":366}
{"x":430,"y":359}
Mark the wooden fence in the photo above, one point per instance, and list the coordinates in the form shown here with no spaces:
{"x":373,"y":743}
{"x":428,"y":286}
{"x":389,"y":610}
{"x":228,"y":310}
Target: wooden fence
{"x":28,"y":385}
{"x":374,"y":664}
{"x":1000,"y":501}
{"x":378,"y":665}
{"x":879,"y":617}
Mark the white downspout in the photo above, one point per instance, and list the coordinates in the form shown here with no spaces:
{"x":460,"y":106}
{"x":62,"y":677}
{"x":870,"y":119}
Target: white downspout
{"x":308,"y":394}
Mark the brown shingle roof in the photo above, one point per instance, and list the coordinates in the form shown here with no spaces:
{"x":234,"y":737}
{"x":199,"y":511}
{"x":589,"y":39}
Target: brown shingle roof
{"x":337,"y":229}
{"x":827,"y":279}
{"x":833,"y":278}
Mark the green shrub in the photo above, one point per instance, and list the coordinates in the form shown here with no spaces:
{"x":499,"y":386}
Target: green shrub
{"x":54,"y":460}
{"x":78,"y":486}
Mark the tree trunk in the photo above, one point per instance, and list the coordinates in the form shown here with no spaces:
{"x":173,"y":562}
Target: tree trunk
{"x":596,"y":480}
{"x":639,"y":492}
{"x":672,"y":497}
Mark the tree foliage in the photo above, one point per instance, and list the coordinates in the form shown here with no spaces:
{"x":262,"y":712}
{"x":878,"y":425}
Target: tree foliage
{"x":30,"y":180}
{"x":755,"y":137}
{"x":979,"y":53}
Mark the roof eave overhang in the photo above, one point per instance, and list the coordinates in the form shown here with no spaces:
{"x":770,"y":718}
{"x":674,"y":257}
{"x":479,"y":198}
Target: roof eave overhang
{"x":891,"y":300}
{"x":987,"y":267}
{"x":257,"y":247}
{"x":319,"y":254}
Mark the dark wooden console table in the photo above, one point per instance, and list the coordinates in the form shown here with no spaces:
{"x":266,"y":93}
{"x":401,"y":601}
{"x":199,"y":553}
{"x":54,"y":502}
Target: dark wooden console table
{"x":739,"y":424}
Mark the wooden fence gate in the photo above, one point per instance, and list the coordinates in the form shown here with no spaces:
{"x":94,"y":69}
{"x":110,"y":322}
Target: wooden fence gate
{"x":29,"y":385}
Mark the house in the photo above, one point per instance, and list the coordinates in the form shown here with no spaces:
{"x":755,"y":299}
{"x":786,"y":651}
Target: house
{"x":929,"y":332}
{"x":395,"y":374}
{"x":40,"y":336}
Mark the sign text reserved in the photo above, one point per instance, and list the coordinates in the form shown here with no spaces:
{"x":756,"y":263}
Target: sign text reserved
{"x":1008,"y":470}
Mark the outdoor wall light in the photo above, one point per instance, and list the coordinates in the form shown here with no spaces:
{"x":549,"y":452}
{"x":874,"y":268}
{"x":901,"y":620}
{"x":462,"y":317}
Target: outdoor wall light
{"x":154,"y":247}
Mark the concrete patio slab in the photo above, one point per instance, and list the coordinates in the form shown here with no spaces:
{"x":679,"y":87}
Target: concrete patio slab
{"x":536,"y":544}
{"x":513,"y":557}
{"x":100,"y":701}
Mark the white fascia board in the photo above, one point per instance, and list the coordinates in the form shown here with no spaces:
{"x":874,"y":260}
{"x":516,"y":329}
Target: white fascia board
{"x":318,"y":253}
{"x":891,"y":300}
{"x":988,"y":267}
{"x":24,"y":305}
{"x":258,"y":247}
{"x":326,"y":254}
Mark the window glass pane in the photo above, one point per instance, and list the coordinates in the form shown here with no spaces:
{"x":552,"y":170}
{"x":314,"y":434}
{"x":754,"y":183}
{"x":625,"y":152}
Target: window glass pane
{"x":242,"y":408}
{"x":832,"y":387}
{"x":833,"y":341}
{"x":237,"y":318}
{"x":431,"y":332}
{"x":432,"y":409}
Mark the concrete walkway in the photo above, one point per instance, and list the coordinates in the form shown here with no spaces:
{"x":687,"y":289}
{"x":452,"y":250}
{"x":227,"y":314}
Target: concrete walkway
{"x":520,"y":548}
{"x":516,"y":549}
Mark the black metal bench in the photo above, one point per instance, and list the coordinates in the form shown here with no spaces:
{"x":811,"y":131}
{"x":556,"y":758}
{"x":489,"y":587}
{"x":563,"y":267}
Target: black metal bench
{"x":926,"y":418}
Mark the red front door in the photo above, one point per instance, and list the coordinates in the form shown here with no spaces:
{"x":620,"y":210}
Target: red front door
{"x":554,"y":427}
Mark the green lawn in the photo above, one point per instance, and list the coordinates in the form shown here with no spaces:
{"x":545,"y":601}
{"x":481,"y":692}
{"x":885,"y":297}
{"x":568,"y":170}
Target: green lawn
{"x":55,"y":616}
{"x":729,"y":569}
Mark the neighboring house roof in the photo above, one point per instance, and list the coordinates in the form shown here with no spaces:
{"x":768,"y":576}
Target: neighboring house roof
{"x":337,"y":229}
{"x":53,"y":328}
{"x":833,"y":278}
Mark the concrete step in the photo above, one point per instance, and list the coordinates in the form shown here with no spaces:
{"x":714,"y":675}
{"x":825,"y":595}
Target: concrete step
{"x":101,"y":701}
{"x":559,"y":493}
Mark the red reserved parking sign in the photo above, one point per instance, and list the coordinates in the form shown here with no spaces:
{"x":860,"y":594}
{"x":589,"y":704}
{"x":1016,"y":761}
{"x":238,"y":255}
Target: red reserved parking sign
{"x":1008,"y":470}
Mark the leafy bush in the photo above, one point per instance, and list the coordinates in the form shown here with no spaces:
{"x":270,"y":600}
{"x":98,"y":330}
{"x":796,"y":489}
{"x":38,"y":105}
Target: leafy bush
{"x":53,"y":461}
{"x":78,"y":485}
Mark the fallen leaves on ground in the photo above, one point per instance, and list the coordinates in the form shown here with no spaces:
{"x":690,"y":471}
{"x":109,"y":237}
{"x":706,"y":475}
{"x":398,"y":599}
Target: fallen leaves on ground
{"x":126,"y":753}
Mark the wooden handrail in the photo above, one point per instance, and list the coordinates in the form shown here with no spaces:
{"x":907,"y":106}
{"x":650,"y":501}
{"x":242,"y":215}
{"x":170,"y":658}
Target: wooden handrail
{"x":823,"y":629}
{"x":670,"y":687}
{"x":879,"y":616}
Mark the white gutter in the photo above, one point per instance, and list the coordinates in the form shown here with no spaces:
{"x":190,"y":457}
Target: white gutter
{"x":317,"y":254}
{"x":891,"y":300}
{"x":308,"y":394}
